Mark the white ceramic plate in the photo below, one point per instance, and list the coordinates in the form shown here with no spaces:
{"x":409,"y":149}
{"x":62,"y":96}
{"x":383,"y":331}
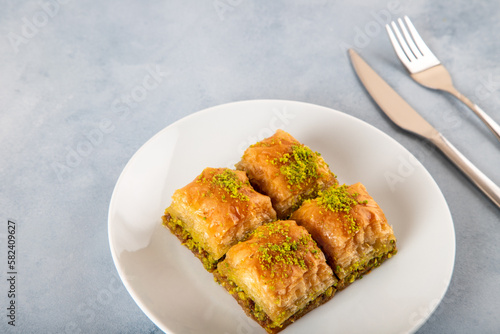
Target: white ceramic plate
{"x":170,"y":285}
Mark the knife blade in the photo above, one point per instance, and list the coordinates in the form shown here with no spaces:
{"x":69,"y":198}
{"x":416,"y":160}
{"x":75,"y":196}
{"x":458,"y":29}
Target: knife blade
{"x":403,"y":115}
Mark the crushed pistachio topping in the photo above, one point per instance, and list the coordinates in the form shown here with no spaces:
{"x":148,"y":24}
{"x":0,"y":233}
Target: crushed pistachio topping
{"x":275,"y":257}
{"x":338,"y":199}
{"x":285,"y":253}
{"x":229,"y":182}
{"x":299,"y":165}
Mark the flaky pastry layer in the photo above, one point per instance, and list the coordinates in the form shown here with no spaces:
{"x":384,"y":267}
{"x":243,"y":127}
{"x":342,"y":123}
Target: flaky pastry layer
{"x":280,"y":268}
{"x":219,"y":208}
{"x":351,"y":229}
{"x":285,"y":170}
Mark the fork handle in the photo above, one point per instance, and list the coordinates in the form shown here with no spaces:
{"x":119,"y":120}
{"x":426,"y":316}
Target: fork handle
{"x":490,"y":123}
{"x":488,"y":187}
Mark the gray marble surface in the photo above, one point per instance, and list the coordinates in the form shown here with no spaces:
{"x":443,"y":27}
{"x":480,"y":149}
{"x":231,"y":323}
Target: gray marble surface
{"x":83,"y":84}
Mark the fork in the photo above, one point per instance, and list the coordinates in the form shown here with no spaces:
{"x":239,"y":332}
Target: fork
{"x":426,"y":69}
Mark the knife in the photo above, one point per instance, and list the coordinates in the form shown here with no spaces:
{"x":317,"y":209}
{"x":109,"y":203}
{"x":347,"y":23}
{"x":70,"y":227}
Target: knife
{"x":401,"y":113}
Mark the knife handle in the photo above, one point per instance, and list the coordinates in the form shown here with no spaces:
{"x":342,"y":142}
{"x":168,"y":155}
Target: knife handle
{"x":488,"y":187}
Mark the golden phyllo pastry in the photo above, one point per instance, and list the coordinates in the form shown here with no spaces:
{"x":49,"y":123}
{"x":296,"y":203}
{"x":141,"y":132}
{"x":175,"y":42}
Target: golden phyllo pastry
{"x":350,"y":228}
{"x":285,"y":170}
{"x":215,"y":211}
{"x":277,"y":275}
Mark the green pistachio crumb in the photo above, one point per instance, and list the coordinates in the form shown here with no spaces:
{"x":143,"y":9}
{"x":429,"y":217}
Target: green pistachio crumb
{"x":338,"y":199}
{"x":229,"y":182}
{"x":300,"y":165}
{"x":288,"y":252}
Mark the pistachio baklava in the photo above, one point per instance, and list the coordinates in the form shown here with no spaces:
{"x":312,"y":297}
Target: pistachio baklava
{"x":277,"y":275}
{"x":285,"y":170}
{"x":215,"y":211}
{"x":350,"y":228}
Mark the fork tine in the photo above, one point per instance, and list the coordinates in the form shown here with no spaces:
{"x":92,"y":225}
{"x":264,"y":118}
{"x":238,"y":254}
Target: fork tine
{"x":410,"y":49}
{"x":402,"y":42}
{"x":414,"y":49}
{"x":418,"y":40}
{"x":395,"y":44}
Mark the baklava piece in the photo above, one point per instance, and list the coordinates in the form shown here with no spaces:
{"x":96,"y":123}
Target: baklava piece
{"x":285,"y":170}
{"x":215,"y":211}
{"x":350,"y":228}
{"x":277,"y":275}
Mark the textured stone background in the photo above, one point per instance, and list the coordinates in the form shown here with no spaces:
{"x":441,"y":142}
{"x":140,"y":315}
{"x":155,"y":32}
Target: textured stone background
{"x":83,"y":84}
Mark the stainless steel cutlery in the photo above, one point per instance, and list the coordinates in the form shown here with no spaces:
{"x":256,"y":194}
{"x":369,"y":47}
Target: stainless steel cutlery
{"x":426,"y":69}
{"x":401,"y":113}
